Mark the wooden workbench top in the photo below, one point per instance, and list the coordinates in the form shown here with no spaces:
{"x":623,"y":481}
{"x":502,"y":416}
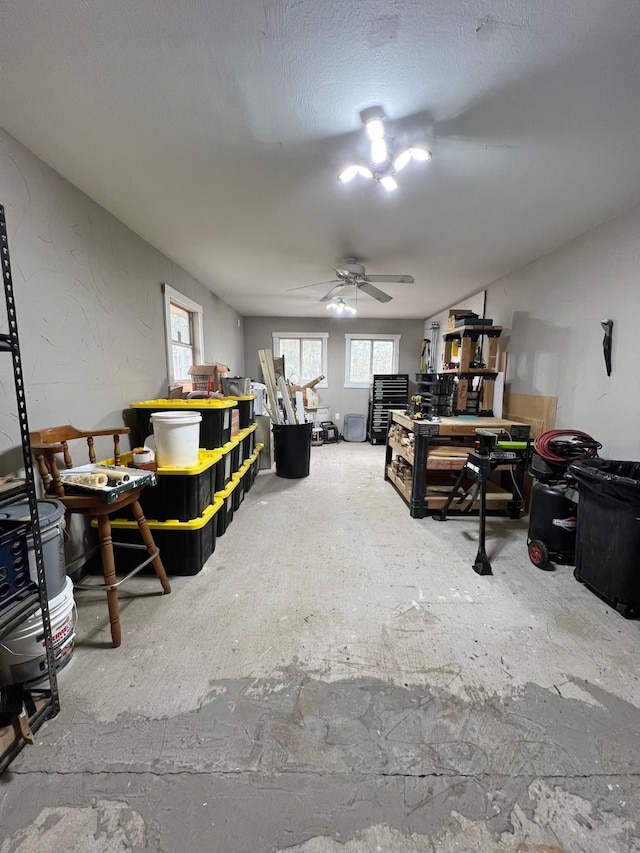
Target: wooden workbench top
{"x":462,"y":425}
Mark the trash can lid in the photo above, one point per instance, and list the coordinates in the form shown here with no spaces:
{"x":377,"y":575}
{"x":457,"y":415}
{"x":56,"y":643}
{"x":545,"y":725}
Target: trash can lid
{"x":49,"y":511}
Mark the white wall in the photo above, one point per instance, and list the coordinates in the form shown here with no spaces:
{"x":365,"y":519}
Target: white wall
{"x":89,"y":305}
{"x":258,"y":331}
{"x":551,"y":311}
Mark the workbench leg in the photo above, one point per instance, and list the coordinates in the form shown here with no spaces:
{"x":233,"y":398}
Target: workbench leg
{"x":514,"y":507}
{"x":482,"y":564}
{"x":417,"y":508}
{"x":388,"y":453}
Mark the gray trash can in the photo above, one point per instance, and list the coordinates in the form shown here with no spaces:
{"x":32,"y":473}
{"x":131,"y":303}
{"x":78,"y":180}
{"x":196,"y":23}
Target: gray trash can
{"x":354,"y":427}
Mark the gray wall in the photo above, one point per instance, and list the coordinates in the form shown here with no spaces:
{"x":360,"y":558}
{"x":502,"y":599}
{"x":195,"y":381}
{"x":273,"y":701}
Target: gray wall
{"x":551,"y":311}
{"x":258,"y":332}
{"x":89,"y":304}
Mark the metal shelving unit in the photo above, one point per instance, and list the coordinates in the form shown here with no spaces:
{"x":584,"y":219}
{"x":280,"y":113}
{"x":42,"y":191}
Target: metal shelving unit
{"x":40,"y":703}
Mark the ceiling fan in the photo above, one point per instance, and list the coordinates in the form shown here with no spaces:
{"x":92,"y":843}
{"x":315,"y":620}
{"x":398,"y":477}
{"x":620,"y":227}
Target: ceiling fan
{"x":350,"y":273}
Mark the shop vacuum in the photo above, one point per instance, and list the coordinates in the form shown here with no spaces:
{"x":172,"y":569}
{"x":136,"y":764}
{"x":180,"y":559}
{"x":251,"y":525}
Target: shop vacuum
{"x":552,"y":515}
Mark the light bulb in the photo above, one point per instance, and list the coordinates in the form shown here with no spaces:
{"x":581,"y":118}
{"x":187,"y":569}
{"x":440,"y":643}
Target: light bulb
{"x":349,"y":173}
{"x":375,"y":128}
{"x":389,"y":183}
{"x":364,"y":172}
{"x":340,"y":307}
{"x":379,"y":153}
{"x":402,"y":160}
{"x":330,"y":305}
{"x":420,"y":154}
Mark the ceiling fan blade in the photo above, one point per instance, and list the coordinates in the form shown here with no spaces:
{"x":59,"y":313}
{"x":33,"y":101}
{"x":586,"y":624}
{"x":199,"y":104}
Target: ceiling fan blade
{"x":315,"y":284}
{"x":380,"y":295}
{"x":398,"y":279}
{"x":333,"y":292}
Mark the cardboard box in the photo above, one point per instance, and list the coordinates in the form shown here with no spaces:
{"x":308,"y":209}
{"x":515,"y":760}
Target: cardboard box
{"x":207,"y":377}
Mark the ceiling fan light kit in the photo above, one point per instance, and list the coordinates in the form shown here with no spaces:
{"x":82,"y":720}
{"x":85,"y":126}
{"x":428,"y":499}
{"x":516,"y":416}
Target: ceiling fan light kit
{"x":384,"y":167}
{"x":341,"y":307}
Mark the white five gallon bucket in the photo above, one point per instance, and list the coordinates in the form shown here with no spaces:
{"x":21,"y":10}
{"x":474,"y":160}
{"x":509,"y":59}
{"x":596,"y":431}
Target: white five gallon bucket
{"x":177,"y":438}
{"x":22,"y":654}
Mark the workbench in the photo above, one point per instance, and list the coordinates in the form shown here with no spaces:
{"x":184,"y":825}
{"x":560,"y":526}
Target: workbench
{"x":439,"y":451}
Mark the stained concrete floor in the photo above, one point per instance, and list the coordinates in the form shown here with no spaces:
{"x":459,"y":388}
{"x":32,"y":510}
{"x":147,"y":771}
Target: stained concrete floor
{"x":338,"y":679}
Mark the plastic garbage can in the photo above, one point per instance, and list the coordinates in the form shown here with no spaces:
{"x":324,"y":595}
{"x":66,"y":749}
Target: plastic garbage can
{"x":608,"y":531}
{"x":354,"y":427}
{"x":292,"y":450}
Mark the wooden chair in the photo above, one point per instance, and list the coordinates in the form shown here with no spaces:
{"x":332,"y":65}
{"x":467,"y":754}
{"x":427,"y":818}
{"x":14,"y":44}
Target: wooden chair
{"x":46,"y":445}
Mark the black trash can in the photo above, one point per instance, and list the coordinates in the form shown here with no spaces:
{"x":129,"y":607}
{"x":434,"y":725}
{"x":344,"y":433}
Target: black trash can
{"x":292,"y":450}
{"x":608,"y":532}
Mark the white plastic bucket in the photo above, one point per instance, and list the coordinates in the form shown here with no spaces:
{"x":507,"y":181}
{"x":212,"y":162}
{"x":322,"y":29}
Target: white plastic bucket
{"x":22,"y":653}
{"x":177,"y":438}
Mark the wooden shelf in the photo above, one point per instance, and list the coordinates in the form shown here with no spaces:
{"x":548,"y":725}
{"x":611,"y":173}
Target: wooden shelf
{"x":472,"y":371}
{"x":401,"y":450}
{"x":440,"y":458}
{"x":436,"y":494}
{"x":472,"y":331}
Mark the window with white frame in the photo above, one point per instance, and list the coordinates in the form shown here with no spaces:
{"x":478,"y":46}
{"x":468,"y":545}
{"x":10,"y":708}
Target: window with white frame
{"x":305,"y":355}
{"x":184,"y":335}
{"x":366,"y":355}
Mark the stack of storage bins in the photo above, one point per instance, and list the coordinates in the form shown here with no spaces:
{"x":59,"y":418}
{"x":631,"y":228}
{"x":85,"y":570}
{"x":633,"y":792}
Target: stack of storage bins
{"x":190,"y":507}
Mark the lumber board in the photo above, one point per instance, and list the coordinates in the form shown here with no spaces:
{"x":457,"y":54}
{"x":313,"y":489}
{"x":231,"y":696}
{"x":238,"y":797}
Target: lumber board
{"x":288,"y":408}
{"x":534,"y":409}
{"x":266,"y":363}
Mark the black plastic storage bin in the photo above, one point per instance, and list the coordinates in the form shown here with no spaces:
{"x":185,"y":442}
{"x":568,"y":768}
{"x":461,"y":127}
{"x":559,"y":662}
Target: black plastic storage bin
{"x":292,"y":449}
{"x":238,"y":492}
{"x":227,"y":501}
{"x":245,"y":409}
{"x":215,"y":427}
{"x":254,"y":461}
{"x":248,"y":441}
{"x":608,"y":532}
{"x":185,"y":546}
{"x":228,"y":465}
{"x":180,"y":494}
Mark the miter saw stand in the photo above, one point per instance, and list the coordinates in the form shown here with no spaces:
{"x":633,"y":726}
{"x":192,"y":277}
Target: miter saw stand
{"x":488,"y":455}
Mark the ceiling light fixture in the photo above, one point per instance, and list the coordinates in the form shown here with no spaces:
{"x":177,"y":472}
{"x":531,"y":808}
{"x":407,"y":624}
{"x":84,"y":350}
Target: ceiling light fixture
{"x":384,"y":167}
{"x":341,"y":307}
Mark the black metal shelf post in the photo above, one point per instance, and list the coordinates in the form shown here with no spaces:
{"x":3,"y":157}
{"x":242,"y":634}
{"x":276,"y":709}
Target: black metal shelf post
{"x":10,"y":619}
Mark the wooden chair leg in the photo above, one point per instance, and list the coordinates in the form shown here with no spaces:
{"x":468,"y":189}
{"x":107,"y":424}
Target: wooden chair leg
{"x":147,"y":538}
{"x":109,"y":571}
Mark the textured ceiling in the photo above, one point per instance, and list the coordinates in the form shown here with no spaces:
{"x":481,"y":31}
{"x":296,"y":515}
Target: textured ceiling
{"x":215,"y":130}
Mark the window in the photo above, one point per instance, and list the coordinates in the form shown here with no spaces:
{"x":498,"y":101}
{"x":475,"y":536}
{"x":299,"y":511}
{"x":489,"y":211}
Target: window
{"x":305,"y":355}
{"x":183,"y":324}
{"x":369,"y":354}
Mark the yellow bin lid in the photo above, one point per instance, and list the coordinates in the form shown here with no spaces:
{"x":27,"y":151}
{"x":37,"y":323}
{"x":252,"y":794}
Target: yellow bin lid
{"x":227,"y":403}
{"x":193,"y":524}
{"x":206,"y":458}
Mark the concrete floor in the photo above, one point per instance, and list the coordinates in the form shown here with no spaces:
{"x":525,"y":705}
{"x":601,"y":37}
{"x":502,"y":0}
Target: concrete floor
{"x":337,"y":678}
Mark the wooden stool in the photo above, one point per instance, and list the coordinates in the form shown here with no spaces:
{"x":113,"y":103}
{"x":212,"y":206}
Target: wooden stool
{"x":45,"y":445}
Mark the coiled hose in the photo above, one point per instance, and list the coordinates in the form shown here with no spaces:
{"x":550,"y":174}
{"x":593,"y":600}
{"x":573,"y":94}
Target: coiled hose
{"x":563,"y":446}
